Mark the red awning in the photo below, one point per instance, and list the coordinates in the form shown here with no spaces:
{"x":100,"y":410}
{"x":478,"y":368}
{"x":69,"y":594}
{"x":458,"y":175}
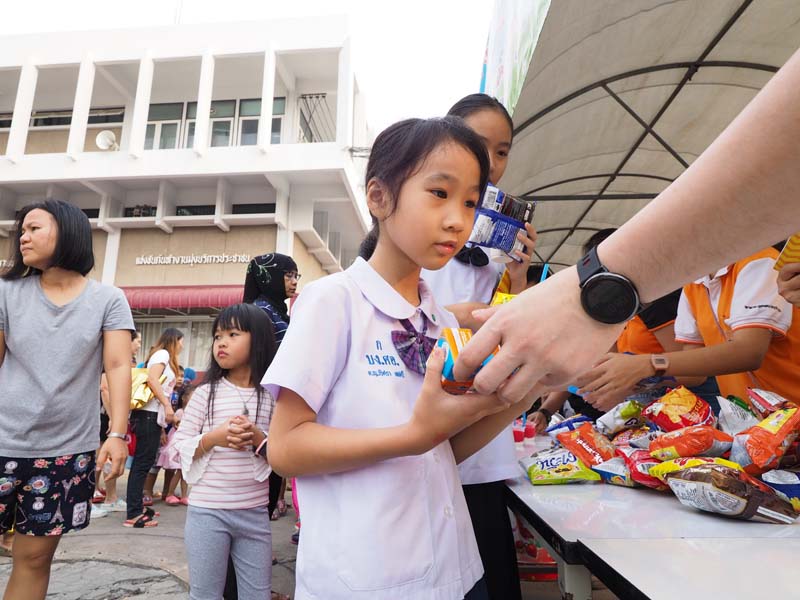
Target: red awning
{"x":183,"y":297}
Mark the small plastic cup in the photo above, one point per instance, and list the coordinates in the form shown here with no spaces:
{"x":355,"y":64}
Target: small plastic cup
{"x":519,"y":435}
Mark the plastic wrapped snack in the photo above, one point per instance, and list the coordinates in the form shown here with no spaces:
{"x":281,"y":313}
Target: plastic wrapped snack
{"x":501,"y":298}
{"x":498,"y":220}
{"x":760,"y":448}
{"x":570,"y":424}
{"x":661,"y":471}
{"x":453,"y":341}
{"x":764,"y":403}
{"x":556,"y":466}
{"x":729,"y":492}
{"x":786,"y":484}
{"x":734,"y":417}
{"x":588,"y":444}
{"x":623,"y":416}
{"x":615,"y":472}
{"x":679,"y":408}
{"x":629,"y":436}
{"x":640,"y":462}
{"x":699,"y":440}
{"x":643,"y":441}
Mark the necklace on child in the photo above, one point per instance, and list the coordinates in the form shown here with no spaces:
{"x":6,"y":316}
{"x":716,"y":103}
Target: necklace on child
{"x":245,"y":411}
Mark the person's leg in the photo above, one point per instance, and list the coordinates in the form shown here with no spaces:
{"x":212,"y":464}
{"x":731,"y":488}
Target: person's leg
{"x":30,"y":570}
{"x":150,"y":481}
{"x":489,"y":515}
{"x":111,"y":491}
{"x":168,"y":488}
{"x":251,"y":551}
{"x":275,"y":481}
{"x":207,"y":540}
{"x":148,"y":437}
{"x":184,"y":485}
{"x":282,"y":498}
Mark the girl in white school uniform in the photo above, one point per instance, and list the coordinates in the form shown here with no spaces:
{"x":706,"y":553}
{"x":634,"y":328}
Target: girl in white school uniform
{"x":372,"y":437}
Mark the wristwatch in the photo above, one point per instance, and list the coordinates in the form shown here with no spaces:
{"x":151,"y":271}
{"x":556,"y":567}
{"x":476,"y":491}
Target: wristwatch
{"x":660,"y":364}
{"x":121,"y":436}
{"x":606,"y":297}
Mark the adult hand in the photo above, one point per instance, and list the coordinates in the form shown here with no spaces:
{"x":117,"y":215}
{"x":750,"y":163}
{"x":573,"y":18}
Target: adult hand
{"x":518,"y":271}
{"x":789,"y":283}
{"x":613,"y":379}
{"x":544,"y":333}
{"x":115,"y":450}
{"x":439,"y":415}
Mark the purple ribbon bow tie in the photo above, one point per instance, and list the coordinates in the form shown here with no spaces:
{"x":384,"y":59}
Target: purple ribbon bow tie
{"x":414,"y":347}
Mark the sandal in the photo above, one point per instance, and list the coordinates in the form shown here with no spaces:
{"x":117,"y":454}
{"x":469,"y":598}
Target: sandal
{"x":98,"y":497}
{"x":147,"y":500}
{"x":140,"y":522}
{"x":281,"y":507}
{"x":185,"y":500}
{"x":172,"y":500}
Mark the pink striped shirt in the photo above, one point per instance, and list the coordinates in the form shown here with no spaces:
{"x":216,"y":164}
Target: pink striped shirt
{"x":223,"y":477}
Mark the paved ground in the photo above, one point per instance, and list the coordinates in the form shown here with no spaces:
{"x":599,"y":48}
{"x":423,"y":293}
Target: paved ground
{"x":111,"y":562}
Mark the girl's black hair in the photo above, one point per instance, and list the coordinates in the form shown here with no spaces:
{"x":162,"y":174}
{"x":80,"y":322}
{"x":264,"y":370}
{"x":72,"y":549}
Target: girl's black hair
{"x":73,"y":246}
{"x":597,"y":238}
{"x":250,"y":318}
{"x":401,"y":149}
{"x":475,"y":103}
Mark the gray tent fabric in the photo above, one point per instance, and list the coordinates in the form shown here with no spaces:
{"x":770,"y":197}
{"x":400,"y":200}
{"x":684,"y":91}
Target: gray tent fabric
{"x":620,"y":97}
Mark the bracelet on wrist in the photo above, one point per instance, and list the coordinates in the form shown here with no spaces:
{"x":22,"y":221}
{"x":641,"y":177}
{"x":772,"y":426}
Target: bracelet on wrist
{"x":114,"y":434}
{"x":202,"y":447}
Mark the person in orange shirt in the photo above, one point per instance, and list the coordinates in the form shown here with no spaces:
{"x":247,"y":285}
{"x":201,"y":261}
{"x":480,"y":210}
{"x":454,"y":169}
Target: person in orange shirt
{"x":735,"y":326}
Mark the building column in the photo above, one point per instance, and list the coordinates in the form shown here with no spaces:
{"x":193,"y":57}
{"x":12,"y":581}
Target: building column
{"x":344,"y":98}
{"x":284,"y":242}
{"x":80,"y":111}
{"x":112,"y":256}
{"x":23,"y":105}
{"x":206,"y":88}
{"x":267,"y":98}
{"x":141,"y":107}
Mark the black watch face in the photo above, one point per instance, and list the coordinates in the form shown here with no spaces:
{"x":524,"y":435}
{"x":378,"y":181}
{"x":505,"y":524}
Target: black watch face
{"x":609,"y":299}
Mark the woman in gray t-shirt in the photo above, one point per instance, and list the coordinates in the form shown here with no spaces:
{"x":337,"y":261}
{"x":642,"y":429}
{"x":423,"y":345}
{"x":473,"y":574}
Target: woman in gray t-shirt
{"x":57,"y":330}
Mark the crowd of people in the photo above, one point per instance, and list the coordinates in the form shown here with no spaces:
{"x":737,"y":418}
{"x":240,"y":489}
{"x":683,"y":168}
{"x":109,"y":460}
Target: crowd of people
{"x":400,"y":482}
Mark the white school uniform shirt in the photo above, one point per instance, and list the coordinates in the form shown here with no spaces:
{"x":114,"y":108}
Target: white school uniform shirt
{"x":455,"y":283}
{"x":398,"y":528}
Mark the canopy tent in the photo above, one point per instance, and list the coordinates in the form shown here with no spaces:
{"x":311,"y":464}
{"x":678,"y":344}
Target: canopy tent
{"x":620,"y":97}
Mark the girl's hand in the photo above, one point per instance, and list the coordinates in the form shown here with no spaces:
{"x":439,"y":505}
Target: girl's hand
{"x":789,"y":283}
{"x":518,"y":271}
{"x":163,"y":438}
{"x":240,"y":433}
{"x":169,"y":414}
{"x":613,"y":379}
{"x":439,"y":415}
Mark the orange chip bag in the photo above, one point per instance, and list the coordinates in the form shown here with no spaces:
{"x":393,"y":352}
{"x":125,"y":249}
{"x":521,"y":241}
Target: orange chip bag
{"x":760,"y":448}
{"x":588,"y":444}
{"x":679,"y":408}
{"x":698,"y":440}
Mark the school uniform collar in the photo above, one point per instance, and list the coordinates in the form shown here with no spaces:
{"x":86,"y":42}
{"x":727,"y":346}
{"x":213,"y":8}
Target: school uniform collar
{"x":706,"y":280}
{"x":388,"y":300}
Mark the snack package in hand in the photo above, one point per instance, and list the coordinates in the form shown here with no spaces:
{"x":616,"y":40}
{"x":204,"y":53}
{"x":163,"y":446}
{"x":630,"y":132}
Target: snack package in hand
{"x":498,"y":220}
{"x":786,"y":484}
{"x":679,"y":408}
{"x":453,"y":340}
{"x":734,"y":418}
{"x":501,"y":298}
{"x":566,"y":425}
{"x":629,"y":436}
{"x":556,"y":466}
{"x":699,"y":440}
{"x":588,"y":444}
{"x":764,"y":403}
{"x":624,"y":415}
{"x":790,"y":252}
{"x":729,"y":492}
{"x":761,"y":447}
{"x":640,"y":462}
{"x":615,"y":472}
{"x":679,"y":464}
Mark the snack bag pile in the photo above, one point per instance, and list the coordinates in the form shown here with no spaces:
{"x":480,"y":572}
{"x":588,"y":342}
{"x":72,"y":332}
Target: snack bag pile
{"x":679,"y":408}
{"x":623,"y":416}
{"x":761,"y":447}
{"x":699,"y":440}
{"x":557,"y":465}
{"x":588,"y":444}
{"x":735,"y":415}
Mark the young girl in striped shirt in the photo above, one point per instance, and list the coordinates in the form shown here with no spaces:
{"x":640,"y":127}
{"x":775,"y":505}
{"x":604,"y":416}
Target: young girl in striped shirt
{"x":222,"y":446}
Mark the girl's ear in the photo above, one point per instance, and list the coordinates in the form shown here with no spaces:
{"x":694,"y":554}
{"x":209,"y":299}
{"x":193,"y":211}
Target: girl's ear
{"x":378,"y":201}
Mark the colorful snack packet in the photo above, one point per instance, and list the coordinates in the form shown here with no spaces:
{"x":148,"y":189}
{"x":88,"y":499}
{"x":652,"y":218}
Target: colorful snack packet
{"x":500,"y":217}
{"x":566,"y":425}
{"x":623,"y":416}
{"x":588,"y":444}
{"x":629,"y":436}
{"x":764,"y":403}
{"x":453,"y":341}
{"x":679,"y":408}
{"x":790,"y":252}
{"x":501,"y":298}
{"x":734,"y":418}
{"x":640,"y":462}
{"x":730,"y":493}
{"x":615,"y":472}
{"x":643,"y":442}
{"x":698,"y":440}
{"x":760,"y":448}
{"x":661,"y":471}
{"x":786,"y":484}
{"x":557,"y":466}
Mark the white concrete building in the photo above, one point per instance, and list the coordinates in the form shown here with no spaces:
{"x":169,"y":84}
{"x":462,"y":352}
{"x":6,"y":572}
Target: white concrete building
{"x":200,"y":177}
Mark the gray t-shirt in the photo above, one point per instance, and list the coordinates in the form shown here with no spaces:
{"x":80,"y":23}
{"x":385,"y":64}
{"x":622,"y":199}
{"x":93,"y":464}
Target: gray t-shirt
{"x":50,"y":376}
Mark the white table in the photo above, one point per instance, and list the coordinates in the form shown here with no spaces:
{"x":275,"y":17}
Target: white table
{"x":666,"y":569}
{"x":567,"y":518}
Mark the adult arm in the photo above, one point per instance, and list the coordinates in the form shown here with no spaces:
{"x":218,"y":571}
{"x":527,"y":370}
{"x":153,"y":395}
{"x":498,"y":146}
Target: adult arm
{"x":700,"y":222}
{"x":117,"y":364}
{"x":104,"y":397}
